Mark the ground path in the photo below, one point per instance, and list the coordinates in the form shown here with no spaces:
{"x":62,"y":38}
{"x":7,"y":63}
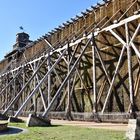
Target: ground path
{"x":109,"y":126}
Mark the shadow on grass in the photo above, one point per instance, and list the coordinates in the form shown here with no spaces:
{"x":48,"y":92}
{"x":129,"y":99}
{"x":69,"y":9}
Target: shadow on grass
{"x":11,"y":130}
{"x":55,"y":125}
{"x":47,"y":126}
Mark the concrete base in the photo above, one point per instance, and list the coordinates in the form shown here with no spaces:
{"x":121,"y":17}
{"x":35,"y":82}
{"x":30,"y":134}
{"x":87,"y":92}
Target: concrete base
{"x":3,"y":117}
{"x":14,"y":119}
{"x":133,"y":132}
{"x":3,"y":126}
{"x":137,"y":131}
{"x":37,"y":121}
{"x":130,"y":134}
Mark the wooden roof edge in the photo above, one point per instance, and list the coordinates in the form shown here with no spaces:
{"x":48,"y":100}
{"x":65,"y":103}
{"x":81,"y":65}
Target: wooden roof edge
{"x":76,"y":18}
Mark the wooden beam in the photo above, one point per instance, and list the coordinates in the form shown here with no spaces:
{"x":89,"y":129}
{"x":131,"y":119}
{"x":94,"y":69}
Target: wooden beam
{"x":94,"y":77}
{"x":113,"y":79}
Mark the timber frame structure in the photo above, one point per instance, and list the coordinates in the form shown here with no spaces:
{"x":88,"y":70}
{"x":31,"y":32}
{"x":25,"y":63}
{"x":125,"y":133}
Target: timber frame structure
{"x":88,"y":67}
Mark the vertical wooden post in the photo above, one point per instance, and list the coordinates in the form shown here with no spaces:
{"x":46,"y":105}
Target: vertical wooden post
{"x":14,"y":92}
{"x":23,"y":83}
{"x":49,"y":78}
{"x":14,"y":85}
{"x":66,"y":79}
{"x":6,"y":92}
{"x":34,"y":97}
{"x":129,"y":55}
{"x":68,"y":108}
{"x":94,"y":77}
{"x":131,"y":89}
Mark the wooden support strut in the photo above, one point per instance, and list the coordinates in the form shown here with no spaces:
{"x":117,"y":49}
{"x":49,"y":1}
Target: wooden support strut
{"x":65,"y":80}
{"x":38,"y":85}
{"x":68,"y":108}
{"x":130,"y":70}
{"x":34,"y":85}
{"x":19,"y":94}
{"x":64,"y":95}
{"x":104,"y":68}
{"x":11,"y":81}
{"x":113,"y":79}
{"x":49,"y":79}
{"x":36,"y":79}
{"x":94,"y":77}
{"x":125,"y":44}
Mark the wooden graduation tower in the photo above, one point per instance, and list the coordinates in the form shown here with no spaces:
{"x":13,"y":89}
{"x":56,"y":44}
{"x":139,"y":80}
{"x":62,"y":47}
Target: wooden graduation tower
{"x":88,"y":68}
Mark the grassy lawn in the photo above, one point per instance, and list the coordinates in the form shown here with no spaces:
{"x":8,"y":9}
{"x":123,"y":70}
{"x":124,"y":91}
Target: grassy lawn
{"x":64,"y":133}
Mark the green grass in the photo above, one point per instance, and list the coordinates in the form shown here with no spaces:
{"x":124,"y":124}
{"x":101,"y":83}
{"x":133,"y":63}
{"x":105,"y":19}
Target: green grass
{"x":64,"y":133}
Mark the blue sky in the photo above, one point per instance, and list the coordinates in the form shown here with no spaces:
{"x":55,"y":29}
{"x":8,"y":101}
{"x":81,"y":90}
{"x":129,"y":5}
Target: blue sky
{"x":36,"y":16}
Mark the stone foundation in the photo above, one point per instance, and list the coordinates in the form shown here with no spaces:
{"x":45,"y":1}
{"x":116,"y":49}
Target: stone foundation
{"x":3,"y":126}
{"x":14,"y":119}
{"x":34,"y":120}
{"x":3,"y":117}
{"x":133,"y":132}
